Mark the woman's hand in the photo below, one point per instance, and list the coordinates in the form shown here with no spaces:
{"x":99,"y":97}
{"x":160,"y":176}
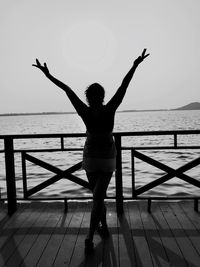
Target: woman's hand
{"x":141,"y":58}
{"x":44,"y":68}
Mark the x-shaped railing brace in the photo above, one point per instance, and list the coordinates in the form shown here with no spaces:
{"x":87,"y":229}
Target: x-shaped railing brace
{"x":59,"y":174}
{"x":171,"y":173}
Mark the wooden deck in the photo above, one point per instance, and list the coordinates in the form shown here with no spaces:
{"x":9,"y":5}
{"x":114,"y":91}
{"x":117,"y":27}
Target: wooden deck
{"x":41,"y":234}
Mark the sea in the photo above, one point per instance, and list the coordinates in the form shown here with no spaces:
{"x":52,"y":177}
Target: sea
{"x":124,"y":122}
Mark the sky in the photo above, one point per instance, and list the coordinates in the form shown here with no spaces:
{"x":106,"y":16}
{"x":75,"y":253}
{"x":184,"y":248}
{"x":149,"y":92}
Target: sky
{"x":97,"y":41}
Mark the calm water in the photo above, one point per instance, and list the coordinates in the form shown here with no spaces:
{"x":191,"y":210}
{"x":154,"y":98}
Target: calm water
{"x":127,"y":121}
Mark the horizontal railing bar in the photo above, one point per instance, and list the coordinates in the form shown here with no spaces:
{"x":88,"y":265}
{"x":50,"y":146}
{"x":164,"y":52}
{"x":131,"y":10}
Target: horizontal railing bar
{"x":160,"y":147}
{"x":48,"y":150}
{"x":139,"y":133}
{"x":124,"y":198}
{"x":168,"y":132}
{"x":35,"y":136}
{"x":160,"y":198}
{"x":123,"y":148}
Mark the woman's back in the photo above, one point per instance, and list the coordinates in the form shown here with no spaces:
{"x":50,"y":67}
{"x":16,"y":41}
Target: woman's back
{"x":98,"y":120}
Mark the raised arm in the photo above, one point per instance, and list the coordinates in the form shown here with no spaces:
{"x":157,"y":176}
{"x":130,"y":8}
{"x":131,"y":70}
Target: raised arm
{"x":76,"y":102}
{"x":119,"y":95}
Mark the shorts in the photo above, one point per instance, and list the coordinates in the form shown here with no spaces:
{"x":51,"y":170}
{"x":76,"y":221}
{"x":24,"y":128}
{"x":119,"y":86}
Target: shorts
{"x":99,"y":164}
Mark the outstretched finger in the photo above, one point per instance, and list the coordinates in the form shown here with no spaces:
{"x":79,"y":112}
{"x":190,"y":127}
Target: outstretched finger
{"x":144,"y":51}
{"x":145,"y":56}
{"x":38,"y":62}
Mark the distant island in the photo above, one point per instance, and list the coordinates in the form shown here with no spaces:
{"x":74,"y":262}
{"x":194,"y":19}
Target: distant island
{"x":191,"y":106}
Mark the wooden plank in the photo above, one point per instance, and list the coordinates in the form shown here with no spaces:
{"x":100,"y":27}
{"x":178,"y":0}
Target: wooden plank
{"x":30,"y":237}
{"x":189,"y":228}
{"x":52,"y":248}
{"x":96,"y":258}
{"x":188,"y":251}
{"x":172,"y":249}
{"x":67,"y":246}
{"x":33,"y":236}
{"x":157,"y":250}
{"x":126,"y":246}
{"x":20,"y":230}
{"x":3,"y":211}
{"x":10,"y":226}
{"x":142,"y":251}
{"x":110,"y":245}
{"x":53,"y":216}
{"x":26,"y":260}
{"x":78,"y":257}
{"x":17,"y":218}
{"x":193,"y":216}
{"x":3,"y":216}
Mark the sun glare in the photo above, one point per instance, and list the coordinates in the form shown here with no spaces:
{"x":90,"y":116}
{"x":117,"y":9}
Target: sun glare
{"x":89,"y":45}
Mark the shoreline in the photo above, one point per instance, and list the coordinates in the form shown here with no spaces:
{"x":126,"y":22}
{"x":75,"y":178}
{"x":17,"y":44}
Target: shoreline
{"x":74,"y":112}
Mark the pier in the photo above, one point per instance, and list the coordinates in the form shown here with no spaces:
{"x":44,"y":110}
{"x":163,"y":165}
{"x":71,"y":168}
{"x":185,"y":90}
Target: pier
{"x":144,"y":231}
{"x":42,"y":234}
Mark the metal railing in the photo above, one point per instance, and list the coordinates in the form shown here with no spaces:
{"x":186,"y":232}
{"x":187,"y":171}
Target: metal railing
{"x":10,"y":151}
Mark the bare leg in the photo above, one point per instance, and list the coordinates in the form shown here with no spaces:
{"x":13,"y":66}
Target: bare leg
{"x":98,"y":212}
{"x":92,"y":178}
{"x":103,"y":216}
{"x":95,"y":217}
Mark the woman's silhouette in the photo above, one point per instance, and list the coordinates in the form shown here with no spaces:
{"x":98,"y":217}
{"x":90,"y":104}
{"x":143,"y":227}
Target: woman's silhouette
{"x":99,"y":151}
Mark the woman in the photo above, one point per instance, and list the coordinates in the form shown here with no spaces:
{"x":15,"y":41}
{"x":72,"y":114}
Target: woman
{"x":99,"y":151}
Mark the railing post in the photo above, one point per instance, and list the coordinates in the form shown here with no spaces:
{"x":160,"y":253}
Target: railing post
{"x":24,"y":178}
{"x":133,"y":173}
{"x":118,"y":176}
{"x":10,"y":175}
{"x":175,"y":140}
{"x":62,"y":143}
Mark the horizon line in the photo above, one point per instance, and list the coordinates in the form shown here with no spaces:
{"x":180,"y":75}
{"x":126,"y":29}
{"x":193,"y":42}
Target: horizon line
{"x":191,"y":106}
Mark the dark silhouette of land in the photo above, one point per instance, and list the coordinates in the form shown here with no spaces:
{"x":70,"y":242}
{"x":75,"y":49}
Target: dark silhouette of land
{"x":36,"y":113}
{"x":191,"y":106}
